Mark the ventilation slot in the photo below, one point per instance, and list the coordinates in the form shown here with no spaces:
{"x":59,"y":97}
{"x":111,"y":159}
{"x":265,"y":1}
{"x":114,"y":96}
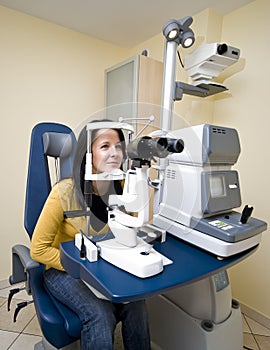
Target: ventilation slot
{"x":171,"y":174}
{"x":219,"y":131}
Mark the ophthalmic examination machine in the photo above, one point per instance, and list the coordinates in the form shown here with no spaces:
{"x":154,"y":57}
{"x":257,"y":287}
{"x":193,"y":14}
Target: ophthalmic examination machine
{"x":195,"y":196}
{"x":201,"y":315}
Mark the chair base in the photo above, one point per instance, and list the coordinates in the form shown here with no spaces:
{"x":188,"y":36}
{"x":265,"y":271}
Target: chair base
{"x":45,"y":345}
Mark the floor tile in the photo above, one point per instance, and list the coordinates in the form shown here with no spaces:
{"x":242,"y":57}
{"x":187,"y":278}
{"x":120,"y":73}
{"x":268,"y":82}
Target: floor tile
{"x":246,"y":328}
{"x":25,"y":342}
{"x":2,"y":301}
{"x":263,"y":342}
{"x":250,"y":342}
{"x":257,"y":328}
{"x":33,"y":327}
{"x":24,"y":317}
{"x":7,"y":338}
{"x":4,"y":283}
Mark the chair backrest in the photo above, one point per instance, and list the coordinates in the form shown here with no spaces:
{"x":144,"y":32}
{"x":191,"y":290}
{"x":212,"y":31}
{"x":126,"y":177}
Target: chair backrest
{"x":53,"y":140}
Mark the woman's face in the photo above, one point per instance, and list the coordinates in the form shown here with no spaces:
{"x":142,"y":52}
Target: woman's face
{"x":107,"y":151}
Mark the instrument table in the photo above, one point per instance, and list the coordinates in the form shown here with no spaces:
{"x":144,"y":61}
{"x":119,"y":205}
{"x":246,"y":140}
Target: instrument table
{"x":190,"y":264}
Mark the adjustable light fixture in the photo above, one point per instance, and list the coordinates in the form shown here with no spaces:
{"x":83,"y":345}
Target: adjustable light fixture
{"x":187,"y":38}
{"x":176,"y":32}
{"x":179,"y":31}
{"x":171,"y":30}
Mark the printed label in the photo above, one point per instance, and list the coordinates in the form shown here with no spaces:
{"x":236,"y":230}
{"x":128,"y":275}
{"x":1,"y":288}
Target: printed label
{"x":220,"y":224}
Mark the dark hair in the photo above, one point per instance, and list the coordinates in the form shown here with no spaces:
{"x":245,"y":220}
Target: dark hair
{"x":80,"y":159}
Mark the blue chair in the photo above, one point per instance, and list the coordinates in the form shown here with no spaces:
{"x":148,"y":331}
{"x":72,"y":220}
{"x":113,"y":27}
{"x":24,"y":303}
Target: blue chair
{"x":60,"y":326}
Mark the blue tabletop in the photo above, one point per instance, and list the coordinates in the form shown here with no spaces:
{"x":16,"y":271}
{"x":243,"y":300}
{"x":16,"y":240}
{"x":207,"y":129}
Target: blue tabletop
{"x":189,"y":264}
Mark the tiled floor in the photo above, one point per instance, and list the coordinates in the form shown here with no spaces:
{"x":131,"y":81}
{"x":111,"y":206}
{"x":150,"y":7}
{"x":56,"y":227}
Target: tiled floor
{"x":25,"y":333}
{"x":256,"y":336}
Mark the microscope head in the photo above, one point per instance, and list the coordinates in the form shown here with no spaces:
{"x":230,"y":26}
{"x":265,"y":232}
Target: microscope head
{"x":147,"y":148}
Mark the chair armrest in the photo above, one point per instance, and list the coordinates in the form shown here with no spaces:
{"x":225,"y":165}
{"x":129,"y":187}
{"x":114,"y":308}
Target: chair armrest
{"x":58,"y":323}
{"x":22,"y":263}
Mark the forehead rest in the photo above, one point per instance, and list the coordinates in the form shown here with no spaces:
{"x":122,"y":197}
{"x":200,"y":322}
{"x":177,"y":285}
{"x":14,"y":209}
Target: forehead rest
{"x":57,"y":144}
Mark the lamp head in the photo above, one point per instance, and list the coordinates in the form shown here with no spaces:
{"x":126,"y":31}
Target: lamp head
{"x":187,"y":38}
{"x":171,"y":30}
{"x":179,"y":31}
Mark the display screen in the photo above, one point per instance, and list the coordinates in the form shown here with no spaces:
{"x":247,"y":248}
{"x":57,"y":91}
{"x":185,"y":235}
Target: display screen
{"x":217,"y":185}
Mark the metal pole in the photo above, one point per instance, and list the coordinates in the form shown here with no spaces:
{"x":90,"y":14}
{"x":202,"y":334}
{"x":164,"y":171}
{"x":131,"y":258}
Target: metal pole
{"x":169,"y":76}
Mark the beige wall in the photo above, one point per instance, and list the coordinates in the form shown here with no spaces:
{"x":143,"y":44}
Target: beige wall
{"x":248,"y":111}
{"x":51,"y":73}
{"x":47,"y":73}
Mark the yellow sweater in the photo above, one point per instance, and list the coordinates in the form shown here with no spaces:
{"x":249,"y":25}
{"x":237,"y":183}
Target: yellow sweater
{"x":52,"y":228}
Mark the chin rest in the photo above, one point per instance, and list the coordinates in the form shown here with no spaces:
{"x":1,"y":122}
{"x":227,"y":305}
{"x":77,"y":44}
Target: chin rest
{"x":60,"y":326}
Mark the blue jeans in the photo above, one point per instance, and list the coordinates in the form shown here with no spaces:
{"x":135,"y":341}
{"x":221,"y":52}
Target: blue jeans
{"x":99,"y":317}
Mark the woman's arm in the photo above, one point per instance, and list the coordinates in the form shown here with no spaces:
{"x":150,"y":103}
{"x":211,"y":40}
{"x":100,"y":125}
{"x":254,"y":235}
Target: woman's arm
{"x":45,"y":241}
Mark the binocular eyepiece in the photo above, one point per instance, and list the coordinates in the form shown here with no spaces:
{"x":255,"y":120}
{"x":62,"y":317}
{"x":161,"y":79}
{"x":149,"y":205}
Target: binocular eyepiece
{"x":146,"y":147}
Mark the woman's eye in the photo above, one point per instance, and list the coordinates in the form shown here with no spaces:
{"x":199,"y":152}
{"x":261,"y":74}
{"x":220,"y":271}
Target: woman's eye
{"x":104,"y":146}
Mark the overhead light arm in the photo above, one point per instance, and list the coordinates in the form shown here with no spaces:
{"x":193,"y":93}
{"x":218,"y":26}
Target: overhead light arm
{"x":176,"y":32}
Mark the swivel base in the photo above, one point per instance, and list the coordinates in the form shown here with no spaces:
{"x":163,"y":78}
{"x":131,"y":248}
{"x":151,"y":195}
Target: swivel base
{"x":172,"y":328}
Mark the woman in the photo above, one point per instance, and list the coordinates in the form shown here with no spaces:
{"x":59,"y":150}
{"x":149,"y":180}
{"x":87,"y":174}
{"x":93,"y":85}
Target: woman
{"x":98,"y":316}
